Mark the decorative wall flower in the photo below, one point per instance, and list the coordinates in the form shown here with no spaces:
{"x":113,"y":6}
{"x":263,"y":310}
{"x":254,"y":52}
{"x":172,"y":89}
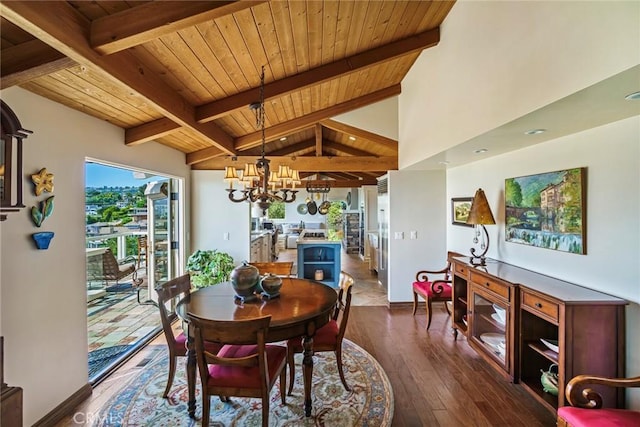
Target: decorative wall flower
{"x":43,"y":181}
{"x":39,"y":215}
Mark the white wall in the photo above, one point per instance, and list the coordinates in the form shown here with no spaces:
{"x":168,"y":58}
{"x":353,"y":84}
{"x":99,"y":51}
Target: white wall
{"x":43,"y":292}
{"x":380,"y":118}
{"x":214,"y":215}
{"x":498,"y":61}
{"x":417,"y":202}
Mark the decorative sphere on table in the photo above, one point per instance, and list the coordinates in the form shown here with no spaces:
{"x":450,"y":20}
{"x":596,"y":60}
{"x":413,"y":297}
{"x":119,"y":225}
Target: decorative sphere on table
{"x":245,"y":279}
{"x":271,"y":284}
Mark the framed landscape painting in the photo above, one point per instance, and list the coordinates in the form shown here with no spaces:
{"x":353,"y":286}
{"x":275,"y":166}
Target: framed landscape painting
{"x":460,"y":208}
{"x":547,"y":210}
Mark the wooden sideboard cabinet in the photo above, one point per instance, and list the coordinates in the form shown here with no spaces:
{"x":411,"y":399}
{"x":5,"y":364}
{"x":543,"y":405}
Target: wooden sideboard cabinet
{"x":586,"y":326}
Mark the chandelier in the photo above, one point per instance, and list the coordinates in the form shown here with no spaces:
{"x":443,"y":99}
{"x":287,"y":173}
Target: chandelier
{"x":260,"y":184}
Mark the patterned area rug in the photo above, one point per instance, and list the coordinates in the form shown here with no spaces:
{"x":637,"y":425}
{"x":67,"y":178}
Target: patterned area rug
{"x":370,"y":402}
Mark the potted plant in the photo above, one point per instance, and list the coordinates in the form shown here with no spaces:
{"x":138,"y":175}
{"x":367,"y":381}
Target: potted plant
{"x":208,"y":267}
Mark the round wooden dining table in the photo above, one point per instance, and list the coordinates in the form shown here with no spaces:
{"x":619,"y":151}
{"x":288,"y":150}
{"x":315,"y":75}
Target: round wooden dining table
{"x":303,"y":307}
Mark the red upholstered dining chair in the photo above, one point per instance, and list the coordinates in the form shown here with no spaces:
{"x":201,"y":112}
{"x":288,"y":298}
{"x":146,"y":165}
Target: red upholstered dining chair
{"x":245,"y":366}
{"x":174,"y":290}
{"x":329,"y":337}
{"x":586,"y":404}
{"x":433,"y":290}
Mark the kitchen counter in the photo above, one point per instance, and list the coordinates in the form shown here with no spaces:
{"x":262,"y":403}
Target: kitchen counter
{"x":255,"y":235}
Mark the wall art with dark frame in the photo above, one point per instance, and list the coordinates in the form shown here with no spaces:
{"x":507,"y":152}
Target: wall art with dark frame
{"x":460,"y":207}
{"x":547,"y":210}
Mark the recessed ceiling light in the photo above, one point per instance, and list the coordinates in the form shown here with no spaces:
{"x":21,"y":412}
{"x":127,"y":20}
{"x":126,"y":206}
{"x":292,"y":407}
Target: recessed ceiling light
{"x":444,"y":162}
{"x":284,"y":138}
{"x":481,"y":150}
{"x":535,"y":131}
{"x":352,"y":138}
{"x":635,"y":96}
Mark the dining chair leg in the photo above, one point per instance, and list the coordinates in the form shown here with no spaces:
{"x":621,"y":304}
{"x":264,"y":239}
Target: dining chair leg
{"x":428,"y":307}
{"x":340,"y":368}
{"x":292,"y":369}
{"x":283,"y":386}
{"x":446,"y":307}
{"x":172,"y":371}
{"x":415,"y":303}
{"x":265,"y":411}
{"x":206,"y":402}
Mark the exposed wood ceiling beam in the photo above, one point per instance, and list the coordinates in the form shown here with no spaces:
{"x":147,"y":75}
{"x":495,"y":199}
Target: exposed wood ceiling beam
{"x":318,"y":131}
{"x":339,"y":175}
{"x":150,"y":131}
{"x":307,"y":164}
{"x":283,"y":129}
{"x":367,"y":175}
{"x":360,"y":133}
{"x":346,"y":149}
{"x":149,"y":21}
{"x":304,"y":145}
{"x":320,"y":74}
{"x":30,"y":60}
{"x":63,"y":28}
{"x":340,"y":183}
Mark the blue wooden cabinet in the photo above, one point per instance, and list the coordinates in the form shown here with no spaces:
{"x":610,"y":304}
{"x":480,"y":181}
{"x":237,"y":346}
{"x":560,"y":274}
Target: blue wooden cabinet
{"x":323,"y":256}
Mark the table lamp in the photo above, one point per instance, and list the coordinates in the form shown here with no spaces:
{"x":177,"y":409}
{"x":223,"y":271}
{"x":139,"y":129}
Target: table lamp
{"x":479,"y":216}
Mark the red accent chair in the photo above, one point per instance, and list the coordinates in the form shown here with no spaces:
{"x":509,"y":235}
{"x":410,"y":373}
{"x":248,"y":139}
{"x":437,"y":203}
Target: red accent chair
{"x":245,"y":366}
{"x":438,"y":290}
{"x":329,"y":337}
{"x":174,"y":290}
{"x":586,"y":404}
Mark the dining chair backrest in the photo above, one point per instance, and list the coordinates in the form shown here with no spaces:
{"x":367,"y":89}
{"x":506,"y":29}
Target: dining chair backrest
{"x":171,"y":290}
{"x":282,"y":268}
{"x":236,"y":332}
{"x":245,"y":366}
{"x":343,"y":304}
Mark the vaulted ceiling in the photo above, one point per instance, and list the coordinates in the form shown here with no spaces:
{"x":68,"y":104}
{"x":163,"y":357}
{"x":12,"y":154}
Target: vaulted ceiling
{"x":183,"y":74}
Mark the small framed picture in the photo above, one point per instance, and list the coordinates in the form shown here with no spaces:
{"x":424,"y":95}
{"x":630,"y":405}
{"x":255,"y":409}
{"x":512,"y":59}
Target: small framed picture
{"x":460,"y":207}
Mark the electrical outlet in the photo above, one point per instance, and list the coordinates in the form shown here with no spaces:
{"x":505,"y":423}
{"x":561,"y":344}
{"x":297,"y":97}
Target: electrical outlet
{"x":399,"y":235}
{"x":414,"y":234}
{"x":225,"y":236}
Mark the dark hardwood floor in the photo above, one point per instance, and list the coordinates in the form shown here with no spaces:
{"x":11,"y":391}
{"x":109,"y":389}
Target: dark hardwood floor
{"x":438,"y":381}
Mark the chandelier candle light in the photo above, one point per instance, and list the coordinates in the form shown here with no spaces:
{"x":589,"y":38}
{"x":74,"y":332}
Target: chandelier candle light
{"x":479,"y":215}
{"x":262,"y":185}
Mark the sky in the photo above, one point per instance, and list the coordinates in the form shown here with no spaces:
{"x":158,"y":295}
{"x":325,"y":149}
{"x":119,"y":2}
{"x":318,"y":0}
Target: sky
{"x":97,"y":175}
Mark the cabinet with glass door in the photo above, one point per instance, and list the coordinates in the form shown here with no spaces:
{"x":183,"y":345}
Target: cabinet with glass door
{"x":491,"y":321}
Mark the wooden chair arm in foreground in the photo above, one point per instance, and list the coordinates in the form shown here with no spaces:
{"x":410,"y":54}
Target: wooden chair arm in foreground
{"x":586,"y":404}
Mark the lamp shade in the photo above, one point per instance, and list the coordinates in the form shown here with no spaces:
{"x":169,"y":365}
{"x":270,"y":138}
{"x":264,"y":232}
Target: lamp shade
{"x":230,"y":174}
{"x":480,"y":212}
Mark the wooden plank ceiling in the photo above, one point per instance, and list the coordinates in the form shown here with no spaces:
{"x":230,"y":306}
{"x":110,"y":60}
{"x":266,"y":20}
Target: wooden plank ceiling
{"x":182,"y":74}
